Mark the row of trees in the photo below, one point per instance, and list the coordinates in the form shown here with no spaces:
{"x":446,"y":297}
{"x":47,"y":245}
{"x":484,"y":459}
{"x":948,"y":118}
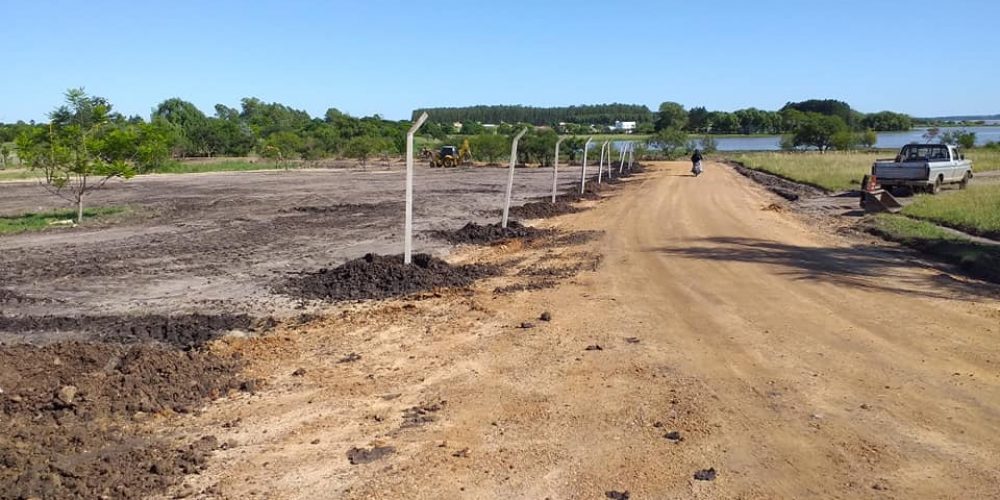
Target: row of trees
{"x":756,"y":121}
{"x":600,"y":114}
{"x":698,"y":120}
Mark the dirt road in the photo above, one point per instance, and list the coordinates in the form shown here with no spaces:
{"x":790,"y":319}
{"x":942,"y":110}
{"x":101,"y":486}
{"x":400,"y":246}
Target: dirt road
{"x":719,"y":332}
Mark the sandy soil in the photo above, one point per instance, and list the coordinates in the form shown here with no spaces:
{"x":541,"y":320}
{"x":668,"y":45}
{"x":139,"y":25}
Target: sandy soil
{"x":704,"y":328}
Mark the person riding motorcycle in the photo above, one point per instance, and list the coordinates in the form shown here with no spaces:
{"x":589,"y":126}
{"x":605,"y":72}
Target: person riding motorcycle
{"x":696,"y":163}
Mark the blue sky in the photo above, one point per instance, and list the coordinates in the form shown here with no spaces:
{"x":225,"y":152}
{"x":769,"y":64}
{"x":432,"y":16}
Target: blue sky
{"x":365,"y":57}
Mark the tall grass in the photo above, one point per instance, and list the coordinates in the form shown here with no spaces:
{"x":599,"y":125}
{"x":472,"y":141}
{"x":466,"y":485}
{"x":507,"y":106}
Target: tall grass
{"x":832,"y":171}
{"x":984,"y":159}
{"x":975,"y":210}
{"x":836,"y":171}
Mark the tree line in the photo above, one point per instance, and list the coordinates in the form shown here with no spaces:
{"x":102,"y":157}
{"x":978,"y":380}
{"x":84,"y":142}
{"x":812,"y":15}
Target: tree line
{"x":698,"y":120}
{"x":599,"y":114}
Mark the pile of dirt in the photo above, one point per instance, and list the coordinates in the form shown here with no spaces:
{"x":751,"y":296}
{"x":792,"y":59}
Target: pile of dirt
{"x":784,"y":188}
{"x":477,"y":234}
{"x":544,"y":209}
{"x":72,"y":416}
{"x":379,"y":277}
{"x":185,"y":331}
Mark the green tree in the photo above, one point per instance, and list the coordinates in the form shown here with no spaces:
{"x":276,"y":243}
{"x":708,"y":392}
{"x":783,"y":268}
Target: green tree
{"x":4,"y":155}
{"x":490,"y":147}
{"x":362,"y":148}
{"x":73,"y":155}
{"x":844,"y":140}
{"x":281,"y":147}
{"x":539,"y":146}
{"x":963,"y":138}
{"x":698,"y":119}
{"x":818,"y":131}
{"x":868,"y":138}
{"x":671,"y":115}
{"x":670,"y":141}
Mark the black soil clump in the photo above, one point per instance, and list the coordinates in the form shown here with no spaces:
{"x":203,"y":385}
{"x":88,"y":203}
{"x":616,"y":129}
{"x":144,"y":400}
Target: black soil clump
{"x":381,"y":277}
{"x":784,"y":188}
{"x":544,"y":209}
{"x":477,"y":234}
{"x":69,"y":413}
{"x":186,"y":331}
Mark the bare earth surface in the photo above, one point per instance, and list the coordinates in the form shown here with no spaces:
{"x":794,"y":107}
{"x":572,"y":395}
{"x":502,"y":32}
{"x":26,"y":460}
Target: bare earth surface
{"x":702,"y":329}
{"x":216,"y":243}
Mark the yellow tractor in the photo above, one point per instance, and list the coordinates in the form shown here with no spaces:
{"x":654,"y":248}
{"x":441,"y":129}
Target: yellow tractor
{"x":450,"y":156}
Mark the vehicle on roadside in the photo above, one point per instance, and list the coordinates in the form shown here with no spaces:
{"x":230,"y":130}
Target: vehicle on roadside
{"x":924,"y":167}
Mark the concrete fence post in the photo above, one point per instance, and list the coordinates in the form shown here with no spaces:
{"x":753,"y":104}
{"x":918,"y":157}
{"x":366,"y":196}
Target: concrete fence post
{"x":555,"y":170}
{"x":408,"y":229}
{"x":510,"y":176}
{"x":583,"y":171}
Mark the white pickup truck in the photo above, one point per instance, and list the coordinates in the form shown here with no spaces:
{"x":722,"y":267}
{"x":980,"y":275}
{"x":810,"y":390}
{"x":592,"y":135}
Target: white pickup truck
{"x":924,"y":167}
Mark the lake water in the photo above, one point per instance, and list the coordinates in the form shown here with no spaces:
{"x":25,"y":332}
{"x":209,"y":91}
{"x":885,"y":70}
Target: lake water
{"x":886,"y":140}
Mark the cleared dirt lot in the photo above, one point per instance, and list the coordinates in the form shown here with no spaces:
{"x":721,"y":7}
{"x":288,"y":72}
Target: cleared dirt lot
{"x":217,"y":243}
{"x":693,"y":325}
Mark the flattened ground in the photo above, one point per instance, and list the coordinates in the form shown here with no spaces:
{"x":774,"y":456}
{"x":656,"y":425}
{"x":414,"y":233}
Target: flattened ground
{"x":795,"y":363}
{"x":217,"y":243}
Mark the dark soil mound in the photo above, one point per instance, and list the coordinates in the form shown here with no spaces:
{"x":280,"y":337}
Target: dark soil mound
{"x":366,"y":209}
{"x":477,"y":234}
{"x":543,"y":209}
{"x":69,"y":411}
{"x":784,"y":188}
{"x":183,"y":330}
{"x":379,"y":277}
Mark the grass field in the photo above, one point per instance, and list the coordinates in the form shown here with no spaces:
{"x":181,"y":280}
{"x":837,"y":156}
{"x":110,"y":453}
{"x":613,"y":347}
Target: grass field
{"x":831,"y":171}
{"x":836,"y":171}
{"x":982,"y":261}
{"x":219,"y":166}
{"x":975,"y":210}
{"x":39,"y":221}
{"x":15,"y":174}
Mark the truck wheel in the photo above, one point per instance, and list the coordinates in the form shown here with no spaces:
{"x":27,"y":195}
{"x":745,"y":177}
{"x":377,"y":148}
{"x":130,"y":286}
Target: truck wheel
{"x":936,"y":187}
{"x":965,"y":181}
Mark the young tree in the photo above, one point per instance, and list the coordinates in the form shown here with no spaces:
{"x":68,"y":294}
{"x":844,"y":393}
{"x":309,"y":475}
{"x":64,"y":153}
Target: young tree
{"x":4,"y":156}
{"x":931,"y":134}
{"x":869,"y":138}
{"x":709,"y":144}
{"x":669,"y":141}
{"x":963,"y":138}
{"x":490,"y":147}
{"x":844,"y":140}
{"x":73,"y":155}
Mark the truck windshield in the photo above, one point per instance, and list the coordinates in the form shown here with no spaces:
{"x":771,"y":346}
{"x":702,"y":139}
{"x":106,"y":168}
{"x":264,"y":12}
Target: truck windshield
{"x":924,"y":152}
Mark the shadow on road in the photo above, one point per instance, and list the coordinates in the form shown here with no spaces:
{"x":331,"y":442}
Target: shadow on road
{"x":875,"y":269}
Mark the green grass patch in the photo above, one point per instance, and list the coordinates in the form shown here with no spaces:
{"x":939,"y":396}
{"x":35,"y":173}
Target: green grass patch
{"x":219,"y":166}
{"x":11,"y":224}
{"x":975,"y":210}
{"x":16,"y":174}
{"x":981,"y":261}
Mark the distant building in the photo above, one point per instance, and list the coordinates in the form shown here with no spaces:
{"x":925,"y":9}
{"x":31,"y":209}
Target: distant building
{"x":626,"y":127}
